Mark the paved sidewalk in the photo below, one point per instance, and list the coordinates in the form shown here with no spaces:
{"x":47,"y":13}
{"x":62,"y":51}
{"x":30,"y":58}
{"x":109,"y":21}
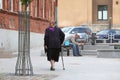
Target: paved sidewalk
{"x":76,"y":68}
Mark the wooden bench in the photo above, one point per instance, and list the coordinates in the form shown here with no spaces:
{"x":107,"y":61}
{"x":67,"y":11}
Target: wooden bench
{"x":67,"y":48}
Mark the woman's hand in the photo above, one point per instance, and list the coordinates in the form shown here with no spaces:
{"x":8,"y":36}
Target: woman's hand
{"x":46,"y":47}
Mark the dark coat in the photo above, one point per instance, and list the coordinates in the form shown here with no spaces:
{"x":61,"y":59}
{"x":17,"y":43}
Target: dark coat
{"x":53,"y":39}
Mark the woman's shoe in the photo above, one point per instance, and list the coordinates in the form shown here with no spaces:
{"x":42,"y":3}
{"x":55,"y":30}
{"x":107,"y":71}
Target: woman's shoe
{"x":52,"y":69}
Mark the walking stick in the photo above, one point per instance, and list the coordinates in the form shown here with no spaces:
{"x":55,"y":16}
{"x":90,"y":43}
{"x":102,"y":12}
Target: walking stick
{"x":62,"y":58}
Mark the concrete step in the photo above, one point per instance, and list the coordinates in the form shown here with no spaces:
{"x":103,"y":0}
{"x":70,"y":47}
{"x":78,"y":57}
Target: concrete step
{"x":89,"y":52}
{"x":83,"y":52}
{"x":96,"y":47}
{"x":115,"y":53}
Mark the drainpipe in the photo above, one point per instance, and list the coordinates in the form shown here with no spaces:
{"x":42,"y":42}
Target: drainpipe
{"x":110,"y":22}
{"x":56,"y":11}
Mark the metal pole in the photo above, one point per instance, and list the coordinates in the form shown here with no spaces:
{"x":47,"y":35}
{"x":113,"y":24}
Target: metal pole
{"x":23,"y":64}
{"x":56,"y":12}
{"x":62,"y":58}
{"x":110,"y":22}
{"x":51,"y":10}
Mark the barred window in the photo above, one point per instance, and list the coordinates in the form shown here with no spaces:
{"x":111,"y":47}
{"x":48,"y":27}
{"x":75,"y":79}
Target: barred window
{"x":102,"y":12}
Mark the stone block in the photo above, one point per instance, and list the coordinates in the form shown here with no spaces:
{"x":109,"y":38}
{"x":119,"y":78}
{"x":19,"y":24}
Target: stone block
{"x":108,"y":53}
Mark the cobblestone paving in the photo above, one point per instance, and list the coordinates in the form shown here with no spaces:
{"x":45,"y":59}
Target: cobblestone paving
{"x":34,"y":77}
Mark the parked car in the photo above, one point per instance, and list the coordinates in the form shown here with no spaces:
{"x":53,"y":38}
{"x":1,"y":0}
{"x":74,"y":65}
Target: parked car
{"x":83,"y":31}
{"x":108,"y":36}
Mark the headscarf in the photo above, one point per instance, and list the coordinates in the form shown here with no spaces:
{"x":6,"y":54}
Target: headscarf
{"x":52,"y":28}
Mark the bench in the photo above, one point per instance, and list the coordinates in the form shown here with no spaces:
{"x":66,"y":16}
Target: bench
{"x":67,"y":48}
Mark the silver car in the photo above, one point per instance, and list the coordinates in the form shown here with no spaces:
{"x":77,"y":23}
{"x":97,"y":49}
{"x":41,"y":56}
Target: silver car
{"x":83,"y":31}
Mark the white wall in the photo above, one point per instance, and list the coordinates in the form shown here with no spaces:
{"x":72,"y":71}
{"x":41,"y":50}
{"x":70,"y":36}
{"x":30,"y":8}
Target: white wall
{"x":9,"y":40}
{"x":1,"y":4}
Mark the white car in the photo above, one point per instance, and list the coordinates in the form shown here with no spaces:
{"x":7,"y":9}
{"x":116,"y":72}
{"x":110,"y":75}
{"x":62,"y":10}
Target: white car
{"x":83,"y":31}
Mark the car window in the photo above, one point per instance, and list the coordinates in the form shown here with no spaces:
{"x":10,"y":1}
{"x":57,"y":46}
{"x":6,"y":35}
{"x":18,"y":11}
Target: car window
{"x":88,"y":30}
{"x":103,"y":32}
{"x":117,"y":31}
{"x":82,"y":30}
{"x":65,"y":30}
{"x":75,"y":30}
{"x":112,"y":32}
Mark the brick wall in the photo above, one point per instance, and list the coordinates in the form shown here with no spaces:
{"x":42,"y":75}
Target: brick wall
{"x":39,"y":22}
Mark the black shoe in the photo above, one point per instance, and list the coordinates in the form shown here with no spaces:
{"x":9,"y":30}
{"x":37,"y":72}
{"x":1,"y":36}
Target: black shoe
{"x":52,"y":69}
{"x":77,"y":55}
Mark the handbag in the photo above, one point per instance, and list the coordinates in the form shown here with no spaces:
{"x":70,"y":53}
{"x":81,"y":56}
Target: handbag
{"x":66,"y":43}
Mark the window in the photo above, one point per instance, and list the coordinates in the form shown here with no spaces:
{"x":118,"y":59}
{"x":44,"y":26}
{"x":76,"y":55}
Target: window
{"x":102,"y":12}
{"x":37,"y":8}
{"x":11,"y":5}
{"x":44,"y":9}
{"x":12,"y":23}
{"x":75,"y":30}
{"x":20,"y":5}
{"x":0,"y":4}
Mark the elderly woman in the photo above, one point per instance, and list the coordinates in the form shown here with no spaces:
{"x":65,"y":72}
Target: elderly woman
{"x":53,"y":39}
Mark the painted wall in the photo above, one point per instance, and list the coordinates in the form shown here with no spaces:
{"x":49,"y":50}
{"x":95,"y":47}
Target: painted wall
{"x":77,"y":12}
{"x":116,"y":12}
{"x":72,"y":13}
{"x":9,"y":40}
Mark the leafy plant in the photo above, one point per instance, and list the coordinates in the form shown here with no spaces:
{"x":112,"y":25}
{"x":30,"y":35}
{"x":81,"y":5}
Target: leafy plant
{"x":116,"y":47}
{"x":26,"y":3}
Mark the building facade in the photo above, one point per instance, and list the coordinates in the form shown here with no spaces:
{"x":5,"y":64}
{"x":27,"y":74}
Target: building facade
{"x":98,"y":14}
{"x":41,"y":13}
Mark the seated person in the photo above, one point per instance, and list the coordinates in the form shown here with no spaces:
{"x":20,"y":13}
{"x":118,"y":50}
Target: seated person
{"x":75,"y":44}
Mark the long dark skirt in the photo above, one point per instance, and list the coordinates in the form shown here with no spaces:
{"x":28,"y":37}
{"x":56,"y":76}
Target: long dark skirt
{"x":53,"y":54}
